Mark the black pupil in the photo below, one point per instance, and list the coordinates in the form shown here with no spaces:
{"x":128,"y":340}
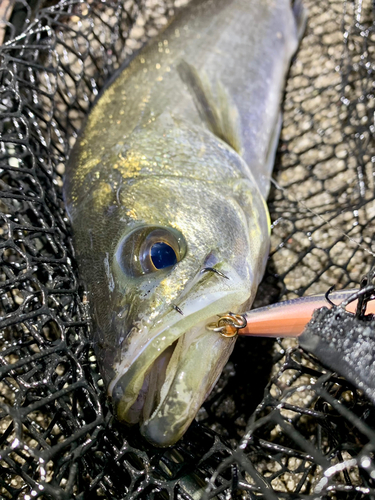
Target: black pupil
{"x":163,"y":255}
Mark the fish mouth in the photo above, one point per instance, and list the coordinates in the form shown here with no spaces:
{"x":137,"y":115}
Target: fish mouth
{"x":164,"y":387}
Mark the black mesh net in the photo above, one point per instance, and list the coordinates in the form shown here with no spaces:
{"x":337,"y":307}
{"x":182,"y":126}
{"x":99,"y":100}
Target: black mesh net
{"x":278,"y":424}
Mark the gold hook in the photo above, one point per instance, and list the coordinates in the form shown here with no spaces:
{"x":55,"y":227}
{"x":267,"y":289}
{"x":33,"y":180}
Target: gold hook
{"x":228,"y":324}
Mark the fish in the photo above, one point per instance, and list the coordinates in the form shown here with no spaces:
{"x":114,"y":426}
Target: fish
{"x":166,"y":191}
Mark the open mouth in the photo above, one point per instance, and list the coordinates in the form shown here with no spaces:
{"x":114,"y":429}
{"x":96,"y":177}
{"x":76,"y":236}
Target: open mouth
{"x":167,"y":382}
{"x":161,"y":375}
{"x":140,"y":388}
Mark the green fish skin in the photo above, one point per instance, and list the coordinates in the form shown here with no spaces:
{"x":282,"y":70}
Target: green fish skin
{"x":168,"y":180}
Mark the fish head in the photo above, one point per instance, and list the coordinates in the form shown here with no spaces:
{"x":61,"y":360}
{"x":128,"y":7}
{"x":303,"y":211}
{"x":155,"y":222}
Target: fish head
{"x":190,"y":255}
{"x":166,"y":255}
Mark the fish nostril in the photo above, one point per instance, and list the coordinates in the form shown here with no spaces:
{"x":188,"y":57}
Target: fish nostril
{"x":209,"y":265}
{"x":210,"y":260}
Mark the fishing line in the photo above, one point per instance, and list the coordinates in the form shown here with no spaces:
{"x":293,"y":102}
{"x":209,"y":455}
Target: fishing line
{"x":300,"y":203}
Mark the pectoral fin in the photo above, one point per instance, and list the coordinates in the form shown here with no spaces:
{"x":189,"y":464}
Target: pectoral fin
{"x":218,"y":113}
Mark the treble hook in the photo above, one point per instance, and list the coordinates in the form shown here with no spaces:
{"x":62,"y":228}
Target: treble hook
{"x":228,"y":324}
{"x":327,"y":294}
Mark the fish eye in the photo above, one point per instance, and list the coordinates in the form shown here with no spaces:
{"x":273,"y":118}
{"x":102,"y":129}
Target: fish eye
{"x":159,"y":250}
{"x":162,"y":255}
{"x":148,"y":250}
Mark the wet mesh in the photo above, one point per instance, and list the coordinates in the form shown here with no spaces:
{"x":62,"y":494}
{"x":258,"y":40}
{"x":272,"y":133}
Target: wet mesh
{"x":278,"y":425}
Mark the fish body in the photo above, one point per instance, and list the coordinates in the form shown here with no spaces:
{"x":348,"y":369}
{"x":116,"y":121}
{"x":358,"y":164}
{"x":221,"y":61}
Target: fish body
{"x":166,"y":190}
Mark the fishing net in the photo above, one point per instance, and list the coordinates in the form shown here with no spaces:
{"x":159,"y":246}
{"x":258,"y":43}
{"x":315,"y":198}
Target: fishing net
{"x":278,"y":424}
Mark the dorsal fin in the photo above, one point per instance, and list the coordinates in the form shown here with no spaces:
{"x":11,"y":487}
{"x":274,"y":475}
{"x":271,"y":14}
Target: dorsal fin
{"x":220,"y":114}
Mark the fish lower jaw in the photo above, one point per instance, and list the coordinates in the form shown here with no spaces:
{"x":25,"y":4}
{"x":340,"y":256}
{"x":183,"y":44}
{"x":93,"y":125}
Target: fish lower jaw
{"x":162,"y":375}
{"x":167,"y":373}
{"x":178,"y":382}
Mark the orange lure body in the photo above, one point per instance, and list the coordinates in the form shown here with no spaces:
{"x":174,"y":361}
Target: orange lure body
{"x":289,"y":318}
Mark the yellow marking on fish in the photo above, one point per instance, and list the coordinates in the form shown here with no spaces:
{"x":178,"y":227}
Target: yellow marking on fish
{"x":84,"y":155}
{"x":103,"y":195}
{"x":132,"y":213}
{"x":171,"y":290}
{"x":130,"y":166}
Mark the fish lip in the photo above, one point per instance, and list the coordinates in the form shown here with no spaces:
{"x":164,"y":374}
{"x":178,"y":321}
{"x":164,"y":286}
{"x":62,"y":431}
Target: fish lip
{"x":122,"y":388}
{"x":121,"y":369}
{"x":192,"y":381}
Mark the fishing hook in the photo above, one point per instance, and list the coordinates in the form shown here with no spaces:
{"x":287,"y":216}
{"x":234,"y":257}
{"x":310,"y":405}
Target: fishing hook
{"x":366,"y":282}
{"x":327,"y":294}
{"x":228,"y":324}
